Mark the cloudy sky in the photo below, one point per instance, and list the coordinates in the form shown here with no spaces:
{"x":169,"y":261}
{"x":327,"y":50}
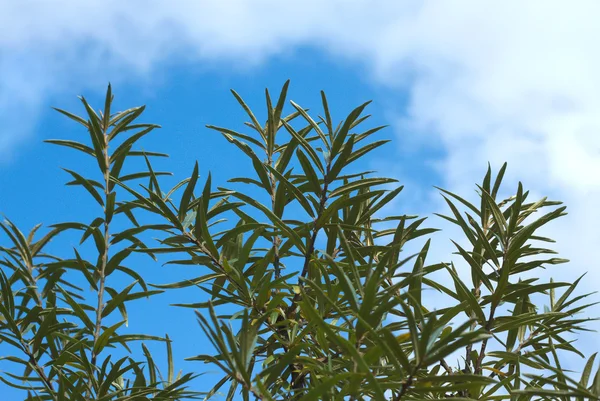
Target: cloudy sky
{"x":460,"y":83}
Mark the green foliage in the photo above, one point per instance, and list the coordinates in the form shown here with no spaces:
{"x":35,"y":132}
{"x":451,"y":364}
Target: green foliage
{"x":309,"y":292}
{"x":64,"y":340}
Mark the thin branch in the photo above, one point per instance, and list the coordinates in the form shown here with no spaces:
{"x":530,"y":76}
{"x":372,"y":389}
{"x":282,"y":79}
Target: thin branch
{"x":37,"y":368}
{"x":104,"y":258}
{"x":276,"y":238}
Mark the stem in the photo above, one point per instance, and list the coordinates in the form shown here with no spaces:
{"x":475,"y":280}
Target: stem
{"x":32,"y":360}
{"x":406,"y":384}
{"x":490,"y":321}
{"x":311,"y":242}
{"x":276,"y":238}
{"x":488,"y":325}
{"x":37,"y":368}
{"x":104,"y":259}
{"x":518,"y":350}
{"x":443,"y":362}
{"x":481,"y":355}
{"x":469,"y":348}
{"x":297,"y":381}
{"x":316,"y":228}
{"x":35,"y":288}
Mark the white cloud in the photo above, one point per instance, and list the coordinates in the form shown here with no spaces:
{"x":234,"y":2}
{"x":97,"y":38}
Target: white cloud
{"x":489,"y":81}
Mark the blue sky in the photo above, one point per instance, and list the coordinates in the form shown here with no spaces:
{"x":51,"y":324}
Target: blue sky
{"x":523,"y":89}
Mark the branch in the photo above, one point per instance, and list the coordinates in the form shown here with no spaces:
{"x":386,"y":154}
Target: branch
{"x":407,"y":383}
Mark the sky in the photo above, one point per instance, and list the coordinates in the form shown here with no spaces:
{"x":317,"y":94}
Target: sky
{"x":460,"y":83}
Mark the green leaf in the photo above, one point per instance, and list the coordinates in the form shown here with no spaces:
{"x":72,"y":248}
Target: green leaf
{"x":8,"y":303}
{"x":280,"y":103}
{"x":498,"y":181}
{"x":170,"y":365}
{"x":340,"y":137}
{"x":460,"y":199}
{"x":143,"y":174}
{"x":596,"y":383}
{"x":96,"y":135}
{"x":587,"y":370}
{"x":188,"y":193}
{"x":124,"y":124}
{"x":107,"y":103}
{"x":328,"y":122}
{"x":255,"y":122}
{"x":460,"y":221}
{"x":525,"y":233}
{"x":258,"y":165}
{"x":309,"y":172}
{"x":293,"y":190}
{"x":73,"y":117}
{"x":78,"y":311}
{"x":290,"y":233}
{"x":360,"y":184}
{"x":102,"y":341}
{"x":345,"y":283}
{"x":201,"y":231}
{"x":357,"y":154}
{"x":322,"y":390}
{"x":87,"y":185}
{"x":466,"y":295}
{"x":72,"y":144}
{"x":416,"y":284}
{"x":305,"y":145}
{"x":230,"y":133}
{"x":343,"y":202}
{"x":476,"y":268}
{"x":342,"y":160}
{"x":123,"y":148}
{"x":117,"y":300}
{"x":312,"y":123}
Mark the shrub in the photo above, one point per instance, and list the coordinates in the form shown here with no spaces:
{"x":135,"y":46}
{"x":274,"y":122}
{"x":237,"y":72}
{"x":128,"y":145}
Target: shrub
{"x":309,"y":290}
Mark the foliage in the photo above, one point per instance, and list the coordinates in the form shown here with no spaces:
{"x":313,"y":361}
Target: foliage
{"x":310,"y":293}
